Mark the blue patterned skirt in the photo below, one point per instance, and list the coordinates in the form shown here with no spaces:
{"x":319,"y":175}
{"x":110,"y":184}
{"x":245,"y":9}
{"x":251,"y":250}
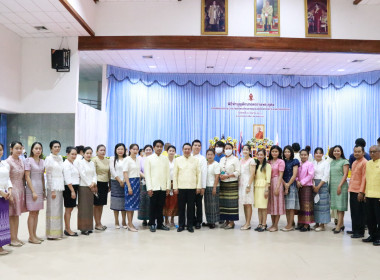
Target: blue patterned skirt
{"x":5,"y":233}
{"x":322,"y":208}
{"x":132,"y":202}
{"x":117,"y":196}
{"x":292,"y":201}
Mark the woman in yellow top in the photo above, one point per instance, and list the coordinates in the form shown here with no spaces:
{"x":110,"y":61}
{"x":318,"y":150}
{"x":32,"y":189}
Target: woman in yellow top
{"x":262,"y":184}
{"x":102,"y":166}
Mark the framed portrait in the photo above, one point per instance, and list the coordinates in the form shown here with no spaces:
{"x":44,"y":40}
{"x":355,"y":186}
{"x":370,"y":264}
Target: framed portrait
{"x":259,"y":131}
{"x":214,"y":17}
{"x":267,"y":17}
{"x":317,"y":18}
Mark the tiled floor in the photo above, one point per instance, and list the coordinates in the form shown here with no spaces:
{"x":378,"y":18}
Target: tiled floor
{"x":205,"y":254}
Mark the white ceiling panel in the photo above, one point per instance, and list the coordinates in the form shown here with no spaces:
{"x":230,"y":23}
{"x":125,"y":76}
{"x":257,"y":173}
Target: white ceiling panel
{"x":22,"y":16}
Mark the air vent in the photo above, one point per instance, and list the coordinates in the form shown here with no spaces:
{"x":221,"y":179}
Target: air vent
{"x":147,"y":56}
{"x":285,"y":68}
{"x":254,"y":58}
{"x":210,"y":67}
{"x":40,"y":28}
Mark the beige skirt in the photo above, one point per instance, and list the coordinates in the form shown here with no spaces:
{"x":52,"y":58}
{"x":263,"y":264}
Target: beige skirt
{"x":54,"y":215}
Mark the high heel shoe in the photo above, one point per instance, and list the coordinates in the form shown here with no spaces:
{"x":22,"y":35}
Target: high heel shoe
{"x":262,"y":228}
{"x":304,"y":229}
{"x":338,"y":231}
{"x":258,"y":227}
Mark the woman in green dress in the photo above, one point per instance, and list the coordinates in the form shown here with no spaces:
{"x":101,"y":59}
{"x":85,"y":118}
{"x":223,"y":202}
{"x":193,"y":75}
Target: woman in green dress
{"x":338,"y":185}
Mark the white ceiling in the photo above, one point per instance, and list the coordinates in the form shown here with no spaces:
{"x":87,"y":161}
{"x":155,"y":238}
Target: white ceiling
{"x":21,"y":16}
{"x":236,"y":62}
{"x":370,"y":2}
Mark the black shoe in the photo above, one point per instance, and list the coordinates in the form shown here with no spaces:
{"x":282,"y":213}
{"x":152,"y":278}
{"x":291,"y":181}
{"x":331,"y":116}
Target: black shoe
{"x":85,"y":233}
{"x":356,"y":235}
{"x":205,"y":224}
{"x":152,"y":228}
{"x":262,"y":228}
{"x":190,"y":229}
{"x":163,"y":227}
{"x":144,"y":223}
{"x":221,"y":222}
{"x":368,"y":239}
{"x":179,"y":229}
{"x":350,"y":232}
{"x":211,"y":226}
{"x":299,"y":226}
{"x":376,"y":242}
{"x":338,"y":231}
{"x":304,"y":229}
{"x":68,"y":234}
{"x":198,"y":226}
{"x":258,"y":227}
{"x":90,"y":231}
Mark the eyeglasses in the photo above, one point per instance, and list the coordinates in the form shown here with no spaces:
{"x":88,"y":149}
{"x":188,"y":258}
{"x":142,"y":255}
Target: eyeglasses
{"x":373,"y":152}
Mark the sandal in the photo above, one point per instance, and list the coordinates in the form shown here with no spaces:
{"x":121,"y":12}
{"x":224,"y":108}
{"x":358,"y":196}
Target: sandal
{"x":15,"y":244}
{"x":34,"y":242}
{"x":258,"y":227}
{"x":4,"y":252}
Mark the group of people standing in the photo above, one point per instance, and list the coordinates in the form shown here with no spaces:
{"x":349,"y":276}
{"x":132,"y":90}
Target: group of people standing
{"x":160,"y":185}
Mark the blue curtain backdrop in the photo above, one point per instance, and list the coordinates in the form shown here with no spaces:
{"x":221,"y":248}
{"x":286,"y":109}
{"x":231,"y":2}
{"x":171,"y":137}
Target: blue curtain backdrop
{"x":3,"y":133}
{"x":177,"y":108}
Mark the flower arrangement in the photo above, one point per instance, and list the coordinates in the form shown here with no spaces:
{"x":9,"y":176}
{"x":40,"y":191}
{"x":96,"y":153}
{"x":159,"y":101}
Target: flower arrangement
{"x":257,"y":144}
{"x":229,"y":139}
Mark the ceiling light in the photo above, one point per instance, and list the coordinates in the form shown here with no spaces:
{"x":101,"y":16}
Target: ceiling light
{"x":254,"y":58}
{"x":40,"y":28}
{"x":340,"y":70}
{"x":210,"y":67}
{"x":357,"y":60}
{"x":285,"y":68}
{"x":152,"y":66}
{"x":248,"y":67}
{"x":147,"y":56}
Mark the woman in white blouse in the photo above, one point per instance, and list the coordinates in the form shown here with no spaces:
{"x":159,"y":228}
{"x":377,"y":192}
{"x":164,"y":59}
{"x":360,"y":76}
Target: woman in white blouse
{"x":171,"y":201}
{"x":87,"y":189}
{"x":55,"y":186}
{"x":5,"y":197}
{"x":117,"y":184}
{"x":229,"y":188}
{"x":72,"y":180}
{"x":131,"y":172}
{"x":321,"y":190}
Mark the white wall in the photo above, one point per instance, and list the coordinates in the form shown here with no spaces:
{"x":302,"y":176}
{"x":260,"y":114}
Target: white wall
{"x":43,"y":90}
{"x":184,"y":18}
{"x":10,"y":70}
{"x":86,"y":9}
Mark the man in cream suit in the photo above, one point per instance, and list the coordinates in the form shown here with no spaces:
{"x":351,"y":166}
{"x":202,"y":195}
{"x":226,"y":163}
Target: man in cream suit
{"x":158,"y":184}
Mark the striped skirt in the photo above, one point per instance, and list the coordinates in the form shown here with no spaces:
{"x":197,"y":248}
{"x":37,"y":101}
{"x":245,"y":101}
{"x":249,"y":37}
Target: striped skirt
{"x":306,"y":213}
{"x":54,"y":215}
{"x":229,"y":201}
{"x":85,"y":209}
{"x":322,"y":207}
{"x":5,"y":233}
{"x":143,"y":213}
{"x":292,"y":201}
{"x":117,"y":196}
{"x":212,"y":205}
{"x":132,"y":202}
{"x":276,"y":204}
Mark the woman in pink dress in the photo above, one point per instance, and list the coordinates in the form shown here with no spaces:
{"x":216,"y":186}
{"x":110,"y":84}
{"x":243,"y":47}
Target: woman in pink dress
{"x":35,"y":190}
{"x":276,"y":199}
{"x":18,"y":206}
{"x":305,"y":186}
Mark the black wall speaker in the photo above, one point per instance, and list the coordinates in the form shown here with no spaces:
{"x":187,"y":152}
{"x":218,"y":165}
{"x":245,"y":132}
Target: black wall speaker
{"x":60,"y":60}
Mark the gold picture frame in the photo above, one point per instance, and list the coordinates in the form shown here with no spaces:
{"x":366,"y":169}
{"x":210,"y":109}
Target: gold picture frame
{"x":259,"y":131}
{"x":219,"y":24}
{"x":263,"y":29}
{"x":317,"y":18}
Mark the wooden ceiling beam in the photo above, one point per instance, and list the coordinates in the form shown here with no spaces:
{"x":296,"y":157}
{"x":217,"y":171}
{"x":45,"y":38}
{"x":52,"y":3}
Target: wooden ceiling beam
{"x":228,"y":43}
{"x":77,"y":16}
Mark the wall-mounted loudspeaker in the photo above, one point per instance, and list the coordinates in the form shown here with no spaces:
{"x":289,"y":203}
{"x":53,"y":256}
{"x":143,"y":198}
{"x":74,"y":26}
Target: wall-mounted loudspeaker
{"x":60,"y":60}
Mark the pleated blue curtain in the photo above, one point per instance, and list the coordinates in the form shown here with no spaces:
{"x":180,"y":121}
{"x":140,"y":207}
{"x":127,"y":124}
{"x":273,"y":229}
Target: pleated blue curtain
{"x":3,"y":134}
{"x":141,"y":109}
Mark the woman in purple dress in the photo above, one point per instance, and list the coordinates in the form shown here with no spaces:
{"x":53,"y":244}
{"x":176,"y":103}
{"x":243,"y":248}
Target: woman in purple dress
{"x":35,"y":190}
{"x":5,"y":197}
{"x":18,"y":205}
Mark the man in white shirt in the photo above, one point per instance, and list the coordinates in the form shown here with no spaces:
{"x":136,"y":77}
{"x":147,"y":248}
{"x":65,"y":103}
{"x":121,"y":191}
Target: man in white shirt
{"x":196,"y":148}
{"x":158,"y":184}
{"x":186,"y":183}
